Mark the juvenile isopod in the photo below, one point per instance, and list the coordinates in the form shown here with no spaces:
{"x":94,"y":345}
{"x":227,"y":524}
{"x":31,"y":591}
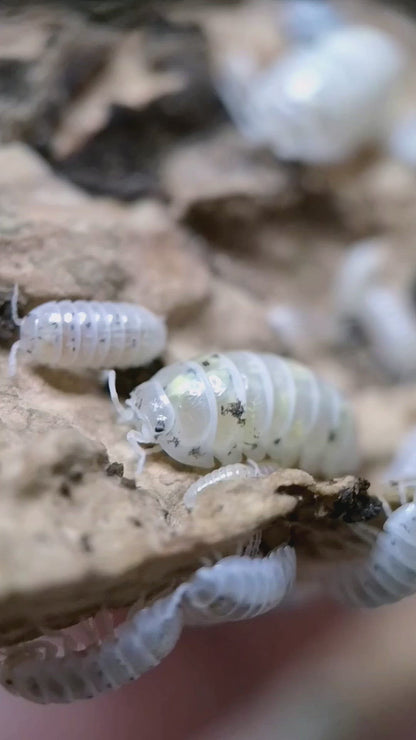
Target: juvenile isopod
{"x":87,"y":334}
{"x":226,"y":406}
{"x":319,"y":103}
{"x":239,"y":588}
{"x":224,"y":474}
{"x":35,"y":671}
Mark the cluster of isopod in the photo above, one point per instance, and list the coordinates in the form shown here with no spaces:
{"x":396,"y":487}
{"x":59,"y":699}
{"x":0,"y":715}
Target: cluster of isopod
{"x":234,"y":588}
{"x":219,"y":407}
{"x":241,"y":414}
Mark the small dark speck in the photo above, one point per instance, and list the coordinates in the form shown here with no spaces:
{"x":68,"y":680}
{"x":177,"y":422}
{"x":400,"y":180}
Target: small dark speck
{"x":85,"y":543}
{"x":195,"y":452}
{"x":332,"y":436}
{"x":128,"y":483}
{"x":135,"y":522}
{"x":115,"y":468}
{"x":75,"y":475}
{"x":277,"y":441}
{"x":88,"y":325}
{"x":8,"y":682}
{"x":205,"y":363}
{"x":165,"y":514}
{"x":65,"y":490}
{"x":102,"y":340}
{"x":216,"y":355}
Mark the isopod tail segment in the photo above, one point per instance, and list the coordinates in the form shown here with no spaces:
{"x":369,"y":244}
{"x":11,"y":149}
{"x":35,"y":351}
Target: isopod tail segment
{"x":14,"y":306}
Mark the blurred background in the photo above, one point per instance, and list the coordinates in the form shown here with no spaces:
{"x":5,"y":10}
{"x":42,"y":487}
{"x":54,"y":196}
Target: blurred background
{"x":281,"y":140}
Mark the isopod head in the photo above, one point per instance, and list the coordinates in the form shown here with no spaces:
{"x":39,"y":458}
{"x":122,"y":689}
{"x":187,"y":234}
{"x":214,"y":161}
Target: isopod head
{"x":176,"y":409}
{"x":151,"y":412}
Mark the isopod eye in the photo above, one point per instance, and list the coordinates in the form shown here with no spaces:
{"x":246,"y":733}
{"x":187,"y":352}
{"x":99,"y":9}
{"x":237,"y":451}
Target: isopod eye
{"x":160,"y":426}
{"x":152,"y":410}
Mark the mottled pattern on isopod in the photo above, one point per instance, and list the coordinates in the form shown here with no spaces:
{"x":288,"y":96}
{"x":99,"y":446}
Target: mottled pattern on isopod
{"x":89,"y":334}
{"x":226,"y":406}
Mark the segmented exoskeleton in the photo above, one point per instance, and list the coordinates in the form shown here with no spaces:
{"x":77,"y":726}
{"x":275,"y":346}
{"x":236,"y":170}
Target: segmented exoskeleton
{"x":88,"y":334}
{"x":238,"y":588}
{"x":319,"y":103}
{"x":387,"y":573}
{"x":224,"y":406}
{"x":35,"y":671}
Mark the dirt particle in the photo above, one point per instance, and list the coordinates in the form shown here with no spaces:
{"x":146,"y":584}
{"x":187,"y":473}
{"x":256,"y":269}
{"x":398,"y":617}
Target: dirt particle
{"x":85,"y":542}
{"x":65,"y":490}
{"x":128,"y":483}
{"x":115,"y":469}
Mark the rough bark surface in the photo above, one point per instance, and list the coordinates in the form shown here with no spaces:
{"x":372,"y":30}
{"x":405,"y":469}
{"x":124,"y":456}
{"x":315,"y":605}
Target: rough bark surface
{"x":121,"y":178}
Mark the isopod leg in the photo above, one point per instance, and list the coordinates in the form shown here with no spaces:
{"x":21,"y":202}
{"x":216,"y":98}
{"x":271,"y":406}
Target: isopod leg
{"x":12,"y":364}
{"x":133,"y":438}
{"x":111,"y":382}
{"x":14,"y":305}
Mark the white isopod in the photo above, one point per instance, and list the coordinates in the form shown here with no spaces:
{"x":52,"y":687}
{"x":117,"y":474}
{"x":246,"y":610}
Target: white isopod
{"x":384,"y":314}
{"x":388,"y":572}
{"x":35,"y":672}
{"x":78,"y":334}
{"x":224,"y":406}
{"x":319,"y":103}
{"x":239,"y":588}
{"x":224,"y":474}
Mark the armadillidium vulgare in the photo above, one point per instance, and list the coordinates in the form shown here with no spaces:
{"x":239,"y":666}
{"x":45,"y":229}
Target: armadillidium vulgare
{"x":319,"y":103}
{"x":88,"y":334}
{"x":224,"y":406}
{"x":34,"y":671}
{"x":388,"y":572}
{"x":238,"y":588}
{"x":234,"y":588}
